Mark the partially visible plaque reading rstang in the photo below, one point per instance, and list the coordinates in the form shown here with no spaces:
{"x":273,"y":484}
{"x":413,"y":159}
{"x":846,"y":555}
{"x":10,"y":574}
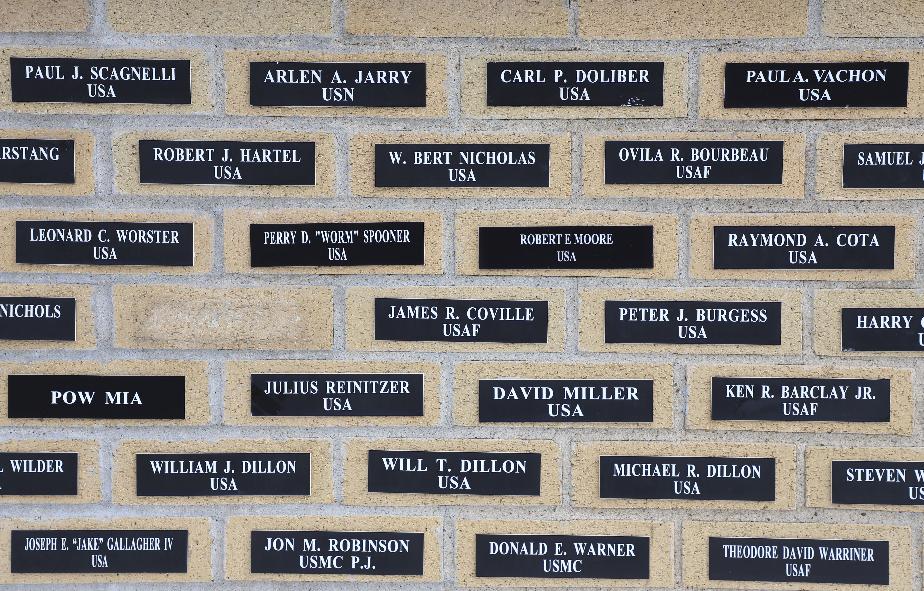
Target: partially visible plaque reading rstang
{"x":99,"y":551}
{"x":462,"y":165}
{"x":337,"y":244}
{"x":38,"y":473}
{"x":877,"y":482}
{"x":35,"y":161}
{"x":38,"y":319}
{"x":337,"y":395}
{"x":883,"y":166}
{"x":691,"y":162}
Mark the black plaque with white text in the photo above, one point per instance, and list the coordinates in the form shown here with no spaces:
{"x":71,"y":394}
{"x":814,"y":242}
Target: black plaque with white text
{"x":462,"y":165}
{"x":882,"y":329}
{"x":99,"y":551}
{"x":877,"y":482}
{"x":34,"y":161}
{"x":549,"y":556}
{"x":337,"y":395}
{"x":883,"y":166}
{"x":565,"y":401}
{"x":38,"y":473}
{"x":222,"y":474}
{"x":38,"y":319}
{"x":340,"y":244}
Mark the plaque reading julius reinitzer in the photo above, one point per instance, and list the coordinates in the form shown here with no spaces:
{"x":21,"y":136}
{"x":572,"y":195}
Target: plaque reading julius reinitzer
{"x":222,"y":474}
{"x":35,"y":161}
{"x":565,"y":401}
{"x":882,"y":329}
{"x":877,"y":482}
{"x":41,"y":473}
{"x":803,"y":247}
{"x":340,"y":244}
{"x":692,"y":162}
{"x":549,"y":556}
{"x":99,"y":551}
{"x":566,"y":247}
{"x":693,"y":322}
{"x":883,"y":166}
{"x":38,"y":319}
{"x":337,"y":395}
{"x":462,"y":165}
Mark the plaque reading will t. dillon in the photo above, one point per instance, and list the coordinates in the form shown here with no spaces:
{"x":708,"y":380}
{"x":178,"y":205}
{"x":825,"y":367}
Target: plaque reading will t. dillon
{"x":693,"y":322}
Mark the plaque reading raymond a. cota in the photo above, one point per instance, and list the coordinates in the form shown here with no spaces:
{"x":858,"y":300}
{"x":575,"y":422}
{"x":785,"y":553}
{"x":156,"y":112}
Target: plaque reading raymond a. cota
{"x":693,"y":322}
{"x":461,"y":321}
{"x":337,"y":395}
{"x":799,"y":560}
{"x":575,"y":84}
{"x":38,"y":319}
{"x":874,"y":482}
{"x":566,"y":247}
{"x":823,"y":84}
{"x":338,"y":244}
{"x":883,"y":166}
{"x":214,"y":162}
{"x":57,"y":242}
{"x":64,"y":396}
{"x":549,"y":556}
{"x":462,"y":165}
{"x":515,"y":400}
{"x":126,"y":81}
{"x":454,"y":472}
{"x":693,"y":162}
{"x":803,"y":247}
{"x":338,"y":84}
{"x":379,"y":553}
{"x":882,"y":329}
{"x":35,"y":474}
{"x":222,"y":474}
{"x":99,"y":551}
{"x":26,"y":160}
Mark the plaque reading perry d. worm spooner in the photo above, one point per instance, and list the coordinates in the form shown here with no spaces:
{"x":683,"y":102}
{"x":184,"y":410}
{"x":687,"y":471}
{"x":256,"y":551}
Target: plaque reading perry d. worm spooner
{"x":693,"y":322}
{"x":883,"y":166}
{"x":99,"y":551}
{"x":38,"y":319}
{"x":34,"y":474}
{"x":27,"y":160}
{"x":882,"y":329}
{"x":462,"y":165}
{"x":337,"y":395}
{"x":461,"y":321}
{"x":340,"y":244}
{"x":565,"y":401}
{"x":693,"y":162}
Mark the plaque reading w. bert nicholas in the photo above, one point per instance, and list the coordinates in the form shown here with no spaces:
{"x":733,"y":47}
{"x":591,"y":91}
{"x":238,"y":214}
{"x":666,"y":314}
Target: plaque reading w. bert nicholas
{"x":693,"y":162}
{"x":99,"y":551}
{"x":36,"y":161}
{"x":337,"y":395}
{"x":462,"y":165}
{"x":340,"y":244}
{"x":693,"y":322}
{"x":461,"y":321}
{"x":38,"y":319}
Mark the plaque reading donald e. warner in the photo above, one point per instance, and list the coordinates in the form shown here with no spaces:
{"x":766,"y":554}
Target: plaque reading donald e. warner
{"x":693,"y":322}
{"x":565,"y":401}
{"x":222,"y":474}
{"x":65,"y":396}
{"x":462,"y":165}
{"x":693,"y":162}
{"x":38,"y":473}
{"x":549,"y":556}
{"x":340,"y":244}
{"x":26,"y":160}
{"x":38,"y":319}
{"x":461,"y":321}
{"x":337,"y":395}
{"x":99,"y":551}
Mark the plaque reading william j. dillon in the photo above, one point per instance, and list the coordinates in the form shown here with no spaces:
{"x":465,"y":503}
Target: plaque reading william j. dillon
{"x":26,"y":160}
{"x":803,"y":247}
{"x":337,"y":395}
{"x":99,"y":551}
{"x":566,"y":247}
{"x":883,"y":166}
{"x":882,"y":329}
{"x":38,"y":319}
{"x":461,"y":321}
{"x":341,"y":244}
{"x":877,"y":482}
{"x":682,"y":162}
{"x":222,"y":474}
{"x":548,"y":556}
{"x":462,"y":165}
{"x":565,"y":401}
{"x":693,"y":322}
{"x":34,"y":474}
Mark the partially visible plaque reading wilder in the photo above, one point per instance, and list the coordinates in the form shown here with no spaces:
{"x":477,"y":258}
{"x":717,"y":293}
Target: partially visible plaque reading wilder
{"x":882,"y":329}
{"x":99,"y":551}
{"x":373,"y":553}
{"x":208,"y":162}
{"x":565,"y":401}
{"x":693,"y":322}
{"x":67,"y":396}
{"x":454,"y":472}
{"x":803,"y":247}
{"x":337,"y":395}
{"x":461,"y":165}
{"x":338,"y":84}
{"x":566,"y":247}
{"x":38,"y":473}
{"x":877,"y":482}
{"x":53,"y":242}
{"x":74,"y":80}
{"x":340,"y":244}
{"x":811,"y":84}
{"x":38,"y":319}
{"x":222,"y":474}
{"x":34,"y":161}
{"x":883,"y":166}
{"x":461,"y":321}
{"x":551,"y":556}
{"x":801,"y":399}
{"x":799,"y":560}
{"x":691,"y":162}
{"x":575,"y":84}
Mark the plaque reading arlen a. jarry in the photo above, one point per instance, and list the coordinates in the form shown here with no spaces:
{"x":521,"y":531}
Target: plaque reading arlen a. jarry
{"x":883,"y":166}
{"x":337,"y":395}
{"x":379,"y":553}
{"x":462,"y":165}
{"x":461,"y":321}
{"x":575,"y":84}
{"x":693,"y":322}
{"x":823,"y":84}
{"x":58,"y":242}
{"x":801,"y":399}
{"x":566,"y":247}
{"x":565,"y":401}
{"x":454,"y":472}
{"x":689,"y":162}
{"x":338,"y":244}
{"x":799,"y":560}
{"x":65,"y":396}
{"x":882,"y":329}
{"x":73,"y":80}
{"x":875,"y":482}
{"x":222,"y":474}
{"x":26,"y":160}
{"x":38,"y":319}
{"x":207,"y":162}
{"x":38,"y":474}
{"x":549,"y":556}
{"x":99,"y":551}
{"x":338,"y":84}
{"x":803,"y":247}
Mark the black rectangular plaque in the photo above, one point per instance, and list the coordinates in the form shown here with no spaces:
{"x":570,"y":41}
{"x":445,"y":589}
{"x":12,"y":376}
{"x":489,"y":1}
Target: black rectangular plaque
{"x":30,"y":473}
{"x":337,"y":244}
{"x":208,"y":162}
{"x":337,"y":395}
{"x":882,"y":329}
{"x":68,"y":396}
{"x":883,"y":166}
{"x":26,"y":160}
{"x":877,"y":482}
{"x":575,"y":84}
{"x":803,"y":247}
{"x":338,"y":84}
{"x":546,"y":556}
{"x":378,"y":553}
{"x":38,"y":319}
{"x":99,"y":551}
{"x":682,"y":162}
{"x":566,"y":247}
{"x":461,"y":321}
{"x":799,"y":560}
{"x":74,"y":80}
{"x":54,"y":242}
{"x":823,"y":84}
{"x":454,"y":472}
{"x":801,"y":399}
{"x":222,"y":474}
{"x":461,"y":165}
{"x":693,"y":322}
{"x":565,"y":401}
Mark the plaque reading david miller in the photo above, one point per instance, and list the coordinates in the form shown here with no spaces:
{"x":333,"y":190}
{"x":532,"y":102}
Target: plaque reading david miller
{"x":565,"y":401}
{"x":376,"y":553}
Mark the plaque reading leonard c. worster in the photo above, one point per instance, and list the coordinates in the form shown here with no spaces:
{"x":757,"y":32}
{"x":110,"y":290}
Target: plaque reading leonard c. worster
{"x":462,"y":165}
{"x":99,"y":551}
{"x":461,"y":321}
{"x":693,"y":322}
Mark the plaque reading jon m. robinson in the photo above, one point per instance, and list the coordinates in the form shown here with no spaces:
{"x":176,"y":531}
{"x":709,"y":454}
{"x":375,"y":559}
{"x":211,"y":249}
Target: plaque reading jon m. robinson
{"x":222,"y":474}
{"x":34,"y":474}
{"x":38,"y":319}
{"x":462,"y":165}
{"x":337,"y":395}
{"x":803,"y":247}
{"x":461,"y":321}
{"x":882,"y":329}
{"x":26,"y":160}
{"x":690,"y":162}
{"x":99,"y":551}
{"x":548,"y":556}
{"x":565,"y":401}
{"x":875,"y":482}
{"x":341,"y":244}
{"x":883,"y":166}
{"x":693,"y":322}
{"x":566,"y":247}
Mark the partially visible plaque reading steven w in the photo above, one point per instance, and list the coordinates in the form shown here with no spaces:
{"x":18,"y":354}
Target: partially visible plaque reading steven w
{"x":804,"y":247}
{"x":35,"y":474}
{"x":882,"y":329}
{"x":462,"y":165}
{"x":877,"y":482}
{"x":26,"y":160}
{"x":693,"y":322}
{"x":565,"y":401}
{"x":566,"y":247}
{"x":99,"y":551}
{"x":883,"y":166}
{"x":689,"y":162}
{"x":38,"y":319}
{"x":222,"y":474}
{"x":340,"y":244}
{"x":337,"y":395}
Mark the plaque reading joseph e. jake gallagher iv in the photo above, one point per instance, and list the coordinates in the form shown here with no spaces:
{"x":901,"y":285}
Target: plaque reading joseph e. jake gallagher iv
{"x":562,"y":557}
{"x":693,"y":322}
{"x":565,"y":401}
{"x":337,"y":395}
{"x":30,"y":473}
{"x":38,"y":319}
{"x":882,"y":329}
{"x":691,"y":162}
{"x":99,"y":551}
{"x":26,"y":160}
{"x":462,"y":165}
{"x":803,"y":247}
{"x":591,"y":84}
{"x":381,"y":553}
{"x":340,"y":244}
{"x":566,"y":247}
{"x":461,"y":321}
{"x":883,"y":166}
{"x":222,"y":474}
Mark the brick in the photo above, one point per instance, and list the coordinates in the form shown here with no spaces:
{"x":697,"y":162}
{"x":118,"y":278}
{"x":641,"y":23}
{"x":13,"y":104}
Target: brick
{"x":829,"y":177}
{"x":875,"y":18}
{"x":60,"y":16}
{"x":84,"y":332}
{"x":664,"y":229}
{"x":182,"y":317}
{"x":899,"y":493}
{"x":895,"y":335}
{"x":237,"y":17}
{"x":83,"y":184}
{"x":463,"y":18}
{"x":85,"y":475}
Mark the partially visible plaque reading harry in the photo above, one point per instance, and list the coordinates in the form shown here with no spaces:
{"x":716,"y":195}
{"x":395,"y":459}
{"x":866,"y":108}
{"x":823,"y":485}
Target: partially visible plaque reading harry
{"x":883,"y":166}
{"x":877,"y":482}
{"x":690,"y":162}
{"x":73,"y":80}
{"x":340,"y":244}
{"x":337,"y":395}
{"x":804,"y":247}
{"x":565,"y":401}
{"x":338,"y":84}
{"x":461,"y":321}
{"x":462,"y":165}
{"x":208,"y":162}
{"x":882,"y":329}
{"x":26,"y":160}
{"x":693,"y":322}
{"x":34,"y":474}
{"x":38,"y":319}
{"x":823,"y":84}
{"x":222,"y":474}
{"x":575,"y":84}
{"x":99,"y":551}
